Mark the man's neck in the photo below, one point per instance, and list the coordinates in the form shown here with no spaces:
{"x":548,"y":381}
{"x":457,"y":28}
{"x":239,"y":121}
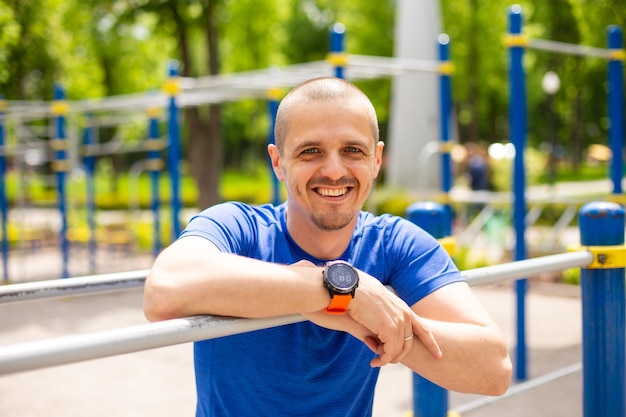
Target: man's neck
{"x":319,"y":243}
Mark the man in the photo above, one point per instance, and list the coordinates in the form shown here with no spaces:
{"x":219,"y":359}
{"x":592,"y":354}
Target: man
{"x":238,"y":260}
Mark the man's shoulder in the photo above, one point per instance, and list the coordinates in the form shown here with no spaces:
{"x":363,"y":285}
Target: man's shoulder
{"x":237,"y":208}
{"x":381,"y":221}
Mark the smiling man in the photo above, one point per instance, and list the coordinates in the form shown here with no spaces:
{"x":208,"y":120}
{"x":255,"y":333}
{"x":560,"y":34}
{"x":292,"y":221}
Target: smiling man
{"x":321,"y":256}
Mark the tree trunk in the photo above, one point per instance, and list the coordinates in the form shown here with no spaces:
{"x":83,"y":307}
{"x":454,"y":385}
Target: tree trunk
{"x":205,"y":142}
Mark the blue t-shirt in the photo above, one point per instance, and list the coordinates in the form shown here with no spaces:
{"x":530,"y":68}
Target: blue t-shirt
{"x":303,"y":369}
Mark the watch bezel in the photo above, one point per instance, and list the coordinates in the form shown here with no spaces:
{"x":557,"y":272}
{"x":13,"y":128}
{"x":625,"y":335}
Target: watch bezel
{"x":332,"y":286}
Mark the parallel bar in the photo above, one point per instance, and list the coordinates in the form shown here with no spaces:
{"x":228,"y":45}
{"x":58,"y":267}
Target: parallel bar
{"x":57,"y":351}
{"x":135,"y":279}
{"x":568,"y":48}
{"x":39,"y":290}
{"x":520,"y":388}
{"x":528,"y":267}
{"x":76,"y":348}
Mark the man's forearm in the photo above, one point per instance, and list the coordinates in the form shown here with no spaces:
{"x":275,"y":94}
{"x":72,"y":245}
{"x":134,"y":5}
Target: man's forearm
{"x":475,"y":359}
{"x":187,"y":281}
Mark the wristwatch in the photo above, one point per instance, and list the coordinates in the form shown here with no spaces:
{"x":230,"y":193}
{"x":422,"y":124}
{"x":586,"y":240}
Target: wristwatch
{"x":341,"y":280}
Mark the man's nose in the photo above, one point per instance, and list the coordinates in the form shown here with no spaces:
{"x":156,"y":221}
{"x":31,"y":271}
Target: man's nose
{"x":334,"y":166}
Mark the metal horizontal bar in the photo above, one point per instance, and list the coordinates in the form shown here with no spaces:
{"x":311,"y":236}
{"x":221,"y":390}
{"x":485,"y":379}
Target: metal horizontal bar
{"x":230,"y":87}
{"x":38,"y":290}
{"x":526,"y":268}
{"x":520,"y":388}
{"x":568,"y":48}
{"x":134,"y":279}
{"x":76,"y":348}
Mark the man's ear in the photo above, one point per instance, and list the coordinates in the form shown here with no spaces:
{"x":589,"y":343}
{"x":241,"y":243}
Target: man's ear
{"x":379,"y":158}
{"x":275,"y":159}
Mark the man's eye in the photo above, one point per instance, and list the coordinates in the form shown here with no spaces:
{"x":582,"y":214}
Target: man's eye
{"x":352,"y":149}
{"x":309,"y":151}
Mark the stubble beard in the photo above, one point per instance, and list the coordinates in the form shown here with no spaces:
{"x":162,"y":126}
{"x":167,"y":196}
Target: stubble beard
{"x":329,"y":222}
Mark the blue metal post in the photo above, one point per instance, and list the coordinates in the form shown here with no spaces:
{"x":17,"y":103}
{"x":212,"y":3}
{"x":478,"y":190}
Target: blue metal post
{"x":173,"y":156}
{"x":616,"y":106}
{"x":155,"y":164}
{"x":4,"y":206}
{"x":517,"y":120}
{"x":61,"y":167}
{"x":603,"y":299}
{"x":337,"y":55}
{"x":445,"y":110}
{"x":273,"y":96}
{"x":89,"y":162}
{"x":429,"y":399}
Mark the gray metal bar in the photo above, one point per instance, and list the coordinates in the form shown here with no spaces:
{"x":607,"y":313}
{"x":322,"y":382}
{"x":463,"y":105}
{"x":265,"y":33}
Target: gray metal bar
{"x":520,"y":388}
{"x":72,"y":286}
{"x":76,"y":348}
{"x":526,"y":268}
{"x":135,"y":279}
{"x":568,"y":48}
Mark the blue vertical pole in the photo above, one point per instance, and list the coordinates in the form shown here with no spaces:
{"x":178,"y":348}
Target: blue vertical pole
{"x":603,"y":299}
{"x":89,"y":162}
{"x":273,"y":96}
{"x":429,"y":399}
{"x":155,"y":164}
{"x":4,"y":206}
{"x":616,"y":106}
{"x":445,"y":110}
{"x":337,"y":55}
{"x":173,"y":156}
{"x":61,"y":167}
{"x":517,"y":127}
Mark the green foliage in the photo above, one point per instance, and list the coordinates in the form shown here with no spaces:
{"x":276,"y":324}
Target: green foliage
{"x":571,"y":276}
{"x":103,"y":47}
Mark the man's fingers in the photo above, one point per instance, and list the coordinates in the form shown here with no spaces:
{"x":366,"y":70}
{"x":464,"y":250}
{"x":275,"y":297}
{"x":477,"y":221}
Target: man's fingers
{"x":425,"y":336}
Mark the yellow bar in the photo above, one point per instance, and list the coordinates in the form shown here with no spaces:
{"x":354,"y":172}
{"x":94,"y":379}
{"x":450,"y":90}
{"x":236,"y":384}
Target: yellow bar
{"x":3,"y":105}
{"x":172,"y":86}
{"x":604,"y":257}
{"x":443,"y":198}
{"x":154,"y":112}
{"x":59,"y":107}
{"x":446,"y":147}
{"x":274,"y":93}
{"x":515,"y":40}
{"x":617,"y":55}
{"x":446,"y":68}
{"x":61,"y":166}
{"x":617,"y":198}
{"x":58,"y":144}
{"x":154,"y":144}
{"x":155,"y":165}
{"x":337,"y":58}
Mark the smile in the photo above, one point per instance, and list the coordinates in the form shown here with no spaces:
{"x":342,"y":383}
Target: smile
{"x":332,"y":192}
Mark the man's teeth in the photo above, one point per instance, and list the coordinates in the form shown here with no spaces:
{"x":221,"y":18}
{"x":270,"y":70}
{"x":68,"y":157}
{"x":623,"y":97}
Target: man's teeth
{"x":332,"y":192}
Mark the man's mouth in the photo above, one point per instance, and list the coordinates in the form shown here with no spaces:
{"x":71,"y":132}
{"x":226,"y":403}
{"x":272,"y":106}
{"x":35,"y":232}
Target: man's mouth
{"x":331,"y":192}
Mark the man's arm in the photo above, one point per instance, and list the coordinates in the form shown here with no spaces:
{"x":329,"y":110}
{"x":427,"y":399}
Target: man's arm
{"x":474,"y":357}
{"x":192,"y":277}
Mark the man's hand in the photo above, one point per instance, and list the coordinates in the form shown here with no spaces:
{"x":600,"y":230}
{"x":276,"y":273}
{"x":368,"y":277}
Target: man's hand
{"x":392,"y":322}
{"x":380,"y":319}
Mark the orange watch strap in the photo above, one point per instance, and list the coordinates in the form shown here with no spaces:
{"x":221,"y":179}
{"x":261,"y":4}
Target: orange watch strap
{"x":339,"y":304}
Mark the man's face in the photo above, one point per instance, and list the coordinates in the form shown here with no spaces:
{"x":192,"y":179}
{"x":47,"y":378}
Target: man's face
{"x":328,"y":163}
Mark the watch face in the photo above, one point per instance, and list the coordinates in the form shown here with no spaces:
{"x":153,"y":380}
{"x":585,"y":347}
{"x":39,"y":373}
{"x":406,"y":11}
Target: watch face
{"x":342,"y":276}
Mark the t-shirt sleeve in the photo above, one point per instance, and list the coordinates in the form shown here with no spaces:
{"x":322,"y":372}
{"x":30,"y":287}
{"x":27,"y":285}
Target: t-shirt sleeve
{"x":420,"y":265}
{"x":226,"y":225}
